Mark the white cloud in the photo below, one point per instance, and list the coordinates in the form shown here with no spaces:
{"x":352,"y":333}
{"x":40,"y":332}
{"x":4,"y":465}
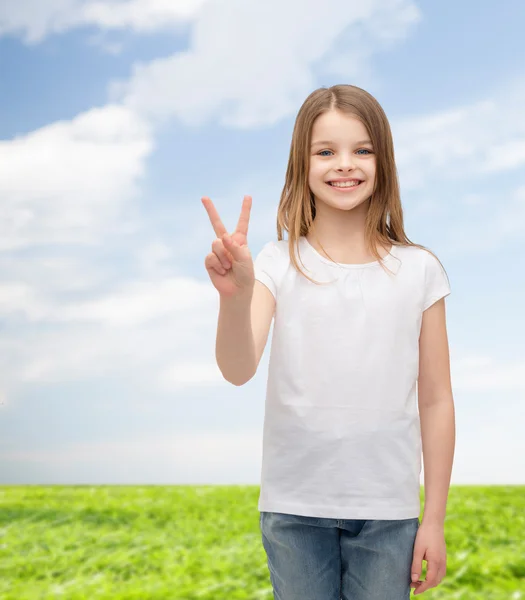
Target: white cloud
{"x":69,"y":181}
{"x":239,"y":76}
{"x":138,"y":15}
{"x":462,"y":142}
{"x":243,"y":76}
{"x":139,"y":302}
{"x":484,"y":374}
{"x":190,"y":374}
{"x":138,"y":333}
{"x":207,"y":457}
{"x":131,"y":304}
{"x":34,"y":20}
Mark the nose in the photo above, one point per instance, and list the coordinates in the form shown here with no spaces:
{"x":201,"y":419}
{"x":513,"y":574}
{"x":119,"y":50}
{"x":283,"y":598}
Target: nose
{"x":346,"y":163}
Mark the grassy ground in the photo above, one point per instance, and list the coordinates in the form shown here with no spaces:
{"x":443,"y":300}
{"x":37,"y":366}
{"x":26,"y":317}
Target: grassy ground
{"x":203,"y":542}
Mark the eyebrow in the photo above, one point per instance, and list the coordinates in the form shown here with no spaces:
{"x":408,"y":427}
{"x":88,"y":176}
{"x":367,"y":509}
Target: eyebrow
{"x":330,"y":142}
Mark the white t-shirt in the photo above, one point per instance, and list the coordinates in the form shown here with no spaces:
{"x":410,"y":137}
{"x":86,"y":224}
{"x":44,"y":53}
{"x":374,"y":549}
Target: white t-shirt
{"x":342,"y":435}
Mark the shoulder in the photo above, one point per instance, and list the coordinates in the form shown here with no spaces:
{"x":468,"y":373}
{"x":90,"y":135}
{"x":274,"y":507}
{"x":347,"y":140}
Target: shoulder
{"x":279,"y":245}
{"x":275,"y":249}
{"x":426,"y":269}
{"x":429,"y":265}
{"x":271,"y":263}
{"x":421,"y":256}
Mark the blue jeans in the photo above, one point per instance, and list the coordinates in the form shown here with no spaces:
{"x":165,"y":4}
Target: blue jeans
{"x":311,"y":558}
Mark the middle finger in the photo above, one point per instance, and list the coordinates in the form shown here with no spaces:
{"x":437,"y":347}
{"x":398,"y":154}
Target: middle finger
{"x":244,"y":219}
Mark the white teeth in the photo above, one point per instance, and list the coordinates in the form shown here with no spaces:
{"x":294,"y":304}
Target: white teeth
{"x":345,"y":183}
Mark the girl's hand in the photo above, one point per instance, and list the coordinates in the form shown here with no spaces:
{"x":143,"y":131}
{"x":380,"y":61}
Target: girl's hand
{"x":430,"y":546}
{"x":230,"y":264}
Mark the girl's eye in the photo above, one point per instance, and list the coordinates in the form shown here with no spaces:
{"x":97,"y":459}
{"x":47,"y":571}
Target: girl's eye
{"x":365,"y":149}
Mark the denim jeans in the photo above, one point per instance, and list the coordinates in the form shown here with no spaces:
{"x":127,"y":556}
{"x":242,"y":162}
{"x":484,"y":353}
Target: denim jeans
{"x":311,"y":558}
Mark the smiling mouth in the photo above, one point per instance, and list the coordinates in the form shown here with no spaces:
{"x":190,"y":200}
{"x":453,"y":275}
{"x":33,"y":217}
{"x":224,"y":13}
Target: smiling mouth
{"x":344,"y":187}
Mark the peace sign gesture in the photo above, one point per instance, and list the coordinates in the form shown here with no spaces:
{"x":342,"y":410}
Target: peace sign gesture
{"x":230,"y":264}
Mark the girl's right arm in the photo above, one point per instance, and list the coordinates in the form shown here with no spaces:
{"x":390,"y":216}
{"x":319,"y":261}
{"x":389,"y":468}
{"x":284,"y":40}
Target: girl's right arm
{"x":242,"y":332}
{"x":246,"y":305}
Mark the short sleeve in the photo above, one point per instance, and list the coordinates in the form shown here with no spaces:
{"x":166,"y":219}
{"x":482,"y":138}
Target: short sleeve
{"x":266,"y":266}
{"x":437,"y":285}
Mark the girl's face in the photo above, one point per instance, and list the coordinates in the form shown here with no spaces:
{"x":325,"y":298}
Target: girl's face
{"x":340,"y":149}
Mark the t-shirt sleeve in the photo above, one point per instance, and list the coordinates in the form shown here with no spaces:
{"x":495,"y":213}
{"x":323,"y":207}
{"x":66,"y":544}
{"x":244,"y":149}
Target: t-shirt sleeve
{"x":266,"y":266}
{"x":437,"y":285}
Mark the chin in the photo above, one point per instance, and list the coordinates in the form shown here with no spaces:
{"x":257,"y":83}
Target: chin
{"x":343,"y":200}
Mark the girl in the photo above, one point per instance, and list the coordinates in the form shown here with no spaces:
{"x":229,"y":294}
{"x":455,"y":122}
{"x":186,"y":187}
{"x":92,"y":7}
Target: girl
{"x":353,"y":336}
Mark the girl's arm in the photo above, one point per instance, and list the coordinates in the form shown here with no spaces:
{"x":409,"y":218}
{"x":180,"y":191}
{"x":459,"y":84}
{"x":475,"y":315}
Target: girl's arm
{"x":242,"y":332}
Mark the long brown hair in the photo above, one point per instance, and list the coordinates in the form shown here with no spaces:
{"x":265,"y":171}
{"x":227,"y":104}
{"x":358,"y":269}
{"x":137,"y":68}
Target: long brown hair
{"x":296,"y":211}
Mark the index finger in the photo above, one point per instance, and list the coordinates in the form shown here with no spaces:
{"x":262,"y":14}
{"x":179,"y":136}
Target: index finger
{"x":216,"y":222}
{"x":244,"y":219}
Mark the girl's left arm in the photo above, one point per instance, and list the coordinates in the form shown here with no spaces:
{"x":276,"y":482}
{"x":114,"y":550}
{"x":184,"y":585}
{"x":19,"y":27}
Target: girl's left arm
{"x":436,"y":412}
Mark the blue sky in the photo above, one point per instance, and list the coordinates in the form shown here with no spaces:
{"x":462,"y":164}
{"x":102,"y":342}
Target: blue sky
{"x":117,"y":117}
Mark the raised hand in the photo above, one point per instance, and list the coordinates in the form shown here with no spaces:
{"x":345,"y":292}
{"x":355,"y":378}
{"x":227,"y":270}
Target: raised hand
{"x":230,"y":264}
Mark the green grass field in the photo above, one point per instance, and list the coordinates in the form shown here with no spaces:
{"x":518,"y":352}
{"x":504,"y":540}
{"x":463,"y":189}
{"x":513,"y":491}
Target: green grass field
{"x":203,"y":542}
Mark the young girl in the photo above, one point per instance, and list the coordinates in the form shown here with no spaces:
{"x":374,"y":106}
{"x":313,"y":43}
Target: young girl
{"x":340,"y":493}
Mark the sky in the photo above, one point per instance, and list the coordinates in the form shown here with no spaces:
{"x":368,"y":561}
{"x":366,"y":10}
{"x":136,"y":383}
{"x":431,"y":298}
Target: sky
{"x":117,"y":117}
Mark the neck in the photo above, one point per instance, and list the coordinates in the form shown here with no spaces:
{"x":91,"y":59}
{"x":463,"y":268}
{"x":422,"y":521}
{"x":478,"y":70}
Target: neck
{"x":342,"y":234}
{"x":340,"y":228}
